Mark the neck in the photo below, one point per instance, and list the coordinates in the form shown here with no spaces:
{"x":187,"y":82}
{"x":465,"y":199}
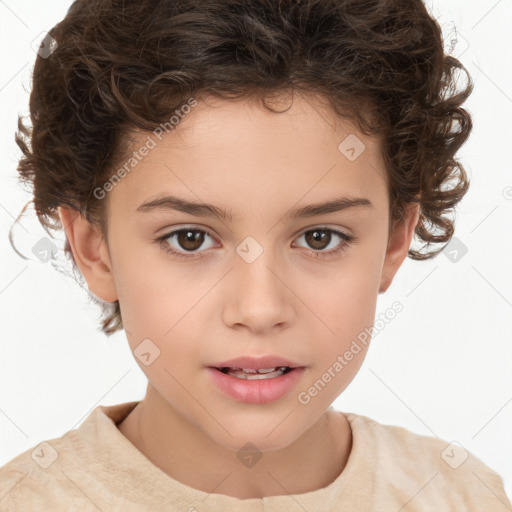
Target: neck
{"x":185,"y":453}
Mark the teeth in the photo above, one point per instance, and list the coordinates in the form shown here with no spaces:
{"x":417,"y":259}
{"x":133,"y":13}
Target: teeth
{"x":250,"y":374}
{"x":266,"y":370}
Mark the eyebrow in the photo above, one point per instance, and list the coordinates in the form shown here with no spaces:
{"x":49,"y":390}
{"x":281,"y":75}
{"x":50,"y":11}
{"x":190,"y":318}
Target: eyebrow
{"x":168,"y":202}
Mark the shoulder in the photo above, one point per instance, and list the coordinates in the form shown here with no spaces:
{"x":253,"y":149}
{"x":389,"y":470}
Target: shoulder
{"x":42,"y":477}
{"x":70,"y":472}
{"x":425,"y":468}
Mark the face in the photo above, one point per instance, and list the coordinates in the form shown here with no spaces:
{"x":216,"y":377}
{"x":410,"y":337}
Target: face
{"x":268,"y":277}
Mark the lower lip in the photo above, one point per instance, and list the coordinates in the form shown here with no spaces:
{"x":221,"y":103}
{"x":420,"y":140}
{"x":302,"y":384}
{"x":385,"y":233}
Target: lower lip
{"x":256,"y":391}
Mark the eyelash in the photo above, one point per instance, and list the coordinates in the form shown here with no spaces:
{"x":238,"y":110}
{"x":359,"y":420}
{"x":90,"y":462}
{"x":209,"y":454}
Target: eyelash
{"x":346,"y":241}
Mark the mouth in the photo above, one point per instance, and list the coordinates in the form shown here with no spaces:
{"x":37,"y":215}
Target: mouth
{"x":256,"y":385}
{"x":255,"y":374}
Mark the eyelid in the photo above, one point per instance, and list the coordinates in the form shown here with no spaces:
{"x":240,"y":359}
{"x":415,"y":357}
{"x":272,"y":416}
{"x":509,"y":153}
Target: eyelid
{"x":176,"y":229}
{"x":335,"y":229}
{"x":179,"y":227}
{"x":346,"y":240}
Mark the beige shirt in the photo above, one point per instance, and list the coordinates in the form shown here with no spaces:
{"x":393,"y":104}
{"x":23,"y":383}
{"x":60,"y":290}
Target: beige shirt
{"x":390,"y":469}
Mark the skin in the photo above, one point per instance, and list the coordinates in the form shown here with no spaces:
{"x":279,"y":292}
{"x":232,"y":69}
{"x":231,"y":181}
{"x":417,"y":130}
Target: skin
{"x":198,"y":311}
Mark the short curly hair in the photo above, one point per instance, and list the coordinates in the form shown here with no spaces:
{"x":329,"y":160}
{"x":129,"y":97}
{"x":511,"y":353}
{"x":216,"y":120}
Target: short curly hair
{"x":122,"y":65}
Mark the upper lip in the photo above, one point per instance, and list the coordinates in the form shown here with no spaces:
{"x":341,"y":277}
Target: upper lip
{"x":255,"y":363}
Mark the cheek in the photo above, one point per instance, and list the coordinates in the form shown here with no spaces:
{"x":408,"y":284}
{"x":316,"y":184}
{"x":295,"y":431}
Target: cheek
{"x":154,"y":296}
{"x":163,"y":305}
{"x":346,"y":306}
{"x":344,"y":300}
{"x":162,"y":329}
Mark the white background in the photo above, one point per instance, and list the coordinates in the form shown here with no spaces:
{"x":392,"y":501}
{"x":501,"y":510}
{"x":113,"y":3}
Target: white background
{"x":441,"y":367}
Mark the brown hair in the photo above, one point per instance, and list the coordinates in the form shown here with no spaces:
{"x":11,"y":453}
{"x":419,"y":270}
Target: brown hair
{"x":122,"y":65}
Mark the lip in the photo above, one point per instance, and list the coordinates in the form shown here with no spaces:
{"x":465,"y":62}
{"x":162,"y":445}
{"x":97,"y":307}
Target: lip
{"x":256,"y":363}
{"x":257,"y":391}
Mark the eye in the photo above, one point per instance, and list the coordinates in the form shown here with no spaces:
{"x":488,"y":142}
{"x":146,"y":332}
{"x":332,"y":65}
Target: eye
{"x":189,"y":239}
{"x":321,"y":238}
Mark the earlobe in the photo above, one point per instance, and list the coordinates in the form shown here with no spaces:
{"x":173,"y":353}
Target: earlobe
{"x":90,"y":253}
{"x":398,"y":245}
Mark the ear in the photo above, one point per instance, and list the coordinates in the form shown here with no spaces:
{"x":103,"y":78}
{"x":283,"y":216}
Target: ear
{"x":90,"y":252}
{"x":398,"y":245}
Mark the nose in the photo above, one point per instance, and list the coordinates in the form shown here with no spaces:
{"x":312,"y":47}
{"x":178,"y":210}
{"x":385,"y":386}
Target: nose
{"x":258,"y":297}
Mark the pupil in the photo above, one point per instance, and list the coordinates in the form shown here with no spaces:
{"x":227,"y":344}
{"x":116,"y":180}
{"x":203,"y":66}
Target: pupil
{"x":317,"y":240}
{"x":188,"y":240}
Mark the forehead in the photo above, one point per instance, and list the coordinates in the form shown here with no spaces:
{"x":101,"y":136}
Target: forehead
{"x":240,"y":154}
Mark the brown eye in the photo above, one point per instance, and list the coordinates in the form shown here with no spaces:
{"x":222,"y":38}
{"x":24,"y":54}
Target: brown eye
{"x":186,"y":242}
{"x":322,"y":238}
{"x":190,"y":239}
{"x":318,"y":239}
{"x":189,"y":242}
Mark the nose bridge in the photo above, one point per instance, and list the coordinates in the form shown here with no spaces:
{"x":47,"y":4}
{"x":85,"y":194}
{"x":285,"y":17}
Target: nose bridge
{"x":257,"y":262}
{"x":258,"y":296}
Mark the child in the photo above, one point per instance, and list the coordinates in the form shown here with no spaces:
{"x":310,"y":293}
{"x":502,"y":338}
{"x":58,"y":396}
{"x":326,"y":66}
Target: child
{"x":196,"y":154}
